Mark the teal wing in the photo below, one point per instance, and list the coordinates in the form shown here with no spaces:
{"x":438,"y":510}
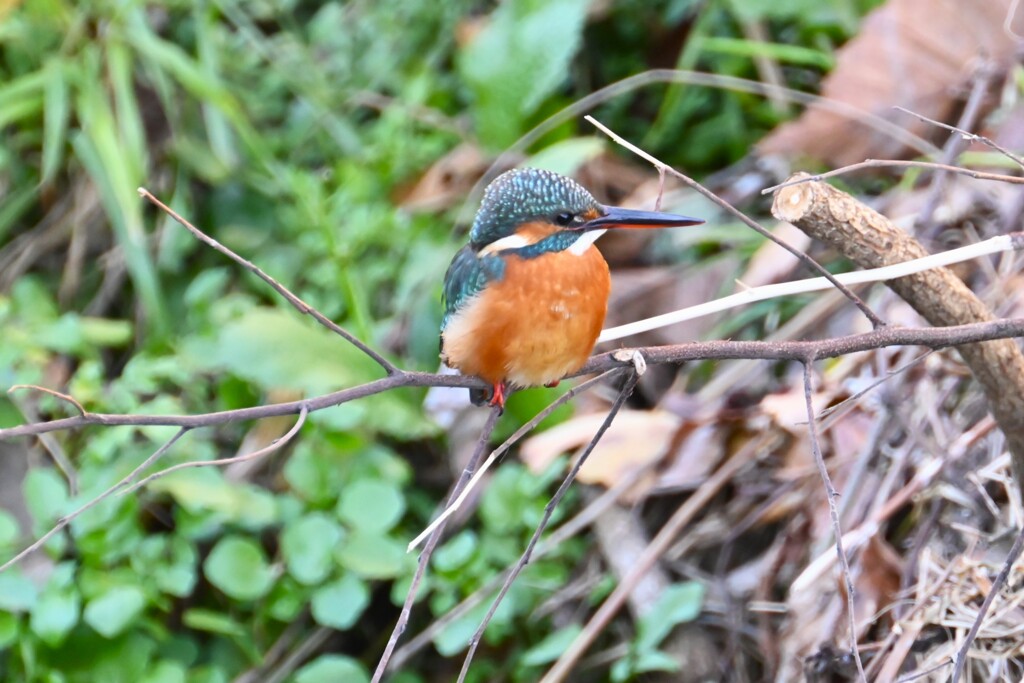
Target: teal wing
{"x":467,"y":276}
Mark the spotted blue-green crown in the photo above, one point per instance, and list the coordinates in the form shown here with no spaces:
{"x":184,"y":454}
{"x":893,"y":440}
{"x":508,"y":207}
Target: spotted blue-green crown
{"x":523,"y":195}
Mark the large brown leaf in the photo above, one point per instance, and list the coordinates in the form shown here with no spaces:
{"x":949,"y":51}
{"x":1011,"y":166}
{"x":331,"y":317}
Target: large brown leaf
{"x":913,"y":53}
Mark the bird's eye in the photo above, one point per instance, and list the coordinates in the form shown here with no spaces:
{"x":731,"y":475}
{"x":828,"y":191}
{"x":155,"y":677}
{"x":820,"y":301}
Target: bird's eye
{"x":565,"y":218}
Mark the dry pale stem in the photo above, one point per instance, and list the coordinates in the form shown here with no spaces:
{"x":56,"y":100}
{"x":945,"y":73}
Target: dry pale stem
{"x":870,"y":240}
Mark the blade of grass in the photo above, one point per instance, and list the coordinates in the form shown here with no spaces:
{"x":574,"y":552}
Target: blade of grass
{"x":103,"y":156}
{"x":56,"y":113}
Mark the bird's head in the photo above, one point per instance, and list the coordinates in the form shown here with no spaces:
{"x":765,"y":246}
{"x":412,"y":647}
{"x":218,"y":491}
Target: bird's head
{"x":527,"y":205}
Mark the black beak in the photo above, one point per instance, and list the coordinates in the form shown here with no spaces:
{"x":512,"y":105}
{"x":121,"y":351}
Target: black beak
{"x":616,"y":217}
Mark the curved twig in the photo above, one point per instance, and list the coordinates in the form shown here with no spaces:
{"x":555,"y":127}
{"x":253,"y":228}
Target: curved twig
{"x":627,"y":389}
{"x":295,"y":301}
{"x":749,"y":222}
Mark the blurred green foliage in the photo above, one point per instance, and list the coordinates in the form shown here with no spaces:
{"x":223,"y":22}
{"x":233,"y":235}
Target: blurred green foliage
{"x":286,"y":129}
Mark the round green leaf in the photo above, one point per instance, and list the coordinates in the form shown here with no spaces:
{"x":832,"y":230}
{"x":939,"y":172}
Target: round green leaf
{"x":8,"y":529}
{"x":114,"y":611}
{"x":373,"y":556}
{"x":339,"y":603}
{"x":331,"y":669}
{"x":17,"y":594}
{"x":455,"y":553}
{"x":54,"y":615}
{"x":46,"y":495}
{"x":371,"y":505}
{"x":307,"y":546}
{"x":236,"y":566}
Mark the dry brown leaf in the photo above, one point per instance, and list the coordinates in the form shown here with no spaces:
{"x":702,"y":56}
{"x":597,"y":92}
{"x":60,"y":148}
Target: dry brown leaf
{"x":911,"y":53}
{"x":876,"y":584}
{"x":635,"y":438}
{"x":447,"y":181}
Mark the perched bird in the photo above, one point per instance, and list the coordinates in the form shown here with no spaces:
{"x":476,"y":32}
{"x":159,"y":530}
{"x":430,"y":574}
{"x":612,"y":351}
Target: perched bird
{"x":525,"y":300}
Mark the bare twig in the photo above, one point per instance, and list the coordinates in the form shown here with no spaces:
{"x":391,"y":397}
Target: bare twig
{"x":657,"y":547}
{"x":951,"y":151}
{"x":273,"y":446}
{"x":474,"y":642}
{"x":749,"y":222}
{"x":967,"y":135}
{"x":64,"y":397}
{"x":993,"y":591}
{"x":68,"y":518}
{"x":898,"y":163}
{"x":581,"y":521}
{"x":500,"y":450}
{"x":428,"y":550}
{"x":833,"y":511}
{"x":931,"y":337}
{"x":295,"y":301}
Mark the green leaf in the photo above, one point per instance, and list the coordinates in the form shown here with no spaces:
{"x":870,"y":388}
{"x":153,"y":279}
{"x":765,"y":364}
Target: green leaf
{"x":205,"y":489}
{"x":9,"y":530}
{"x":308,"y":546}
{"x":314,"y":474}
{"x":46,"y":495}
{"x":17,"y":593}
{"x":456,"y":553}
{"x":114,"y":611}
{"x":332,"y":669}
{"x":54,"y":615}
{"x":552,"y":647}
{"x":237,"y":566}
{"x":340,"y":603}
{"x":518,"y":60}
{"x":371,"y":505}
{"x":55,"y":119}
{"x":677,"y":604}
{"x":373,"y":556}
{"x":212,"y":622}
{"x":260,"y":345}
{"x":166,"y":671}
{"x":177,"y":576}
{"x":8,"y":629}
{"x":567,"y":156}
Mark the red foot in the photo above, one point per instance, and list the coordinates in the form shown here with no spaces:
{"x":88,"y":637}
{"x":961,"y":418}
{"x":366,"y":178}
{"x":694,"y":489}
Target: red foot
{"x":498,"y":397}
{"x":552,"y":385}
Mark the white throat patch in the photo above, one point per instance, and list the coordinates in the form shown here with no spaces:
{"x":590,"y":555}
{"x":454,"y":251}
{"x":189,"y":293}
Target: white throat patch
{"x":580,"y":246}
{"x":510,"y":242}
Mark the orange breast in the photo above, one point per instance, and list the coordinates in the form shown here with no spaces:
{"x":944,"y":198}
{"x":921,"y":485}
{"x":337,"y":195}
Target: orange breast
{"x":536,"y":325}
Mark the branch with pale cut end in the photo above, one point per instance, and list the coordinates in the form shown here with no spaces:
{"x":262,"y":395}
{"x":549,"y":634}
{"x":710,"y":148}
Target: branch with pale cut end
{"x":871,"y":240}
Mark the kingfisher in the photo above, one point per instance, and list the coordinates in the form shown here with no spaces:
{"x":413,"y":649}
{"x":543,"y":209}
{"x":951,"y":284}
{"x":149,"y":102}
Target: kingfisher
{"x":526,"y":299}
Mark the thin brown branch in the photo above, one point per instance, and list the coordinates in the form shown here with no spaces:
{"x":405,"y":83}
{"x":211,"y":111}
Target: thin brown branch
{"x":71,"y":516}
{"x":401,"y":379}
{"x":428,"y":550}
{"x":871,"y":240}
{"x":967,"y":135}
{"x":930,"y":337}
{"x":583,"y":519}
{"x":508,"y":443}
{"x":897,"y":163}
{"x":657,"y":547}
{"x":746,"y":220}
{"x":549,"y":509}
{"x":64,"y":397}
{"x":295,"y":301}
{"x":993,"y":591}
{"x":833,"y":511}
{"x":276,"y":444}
